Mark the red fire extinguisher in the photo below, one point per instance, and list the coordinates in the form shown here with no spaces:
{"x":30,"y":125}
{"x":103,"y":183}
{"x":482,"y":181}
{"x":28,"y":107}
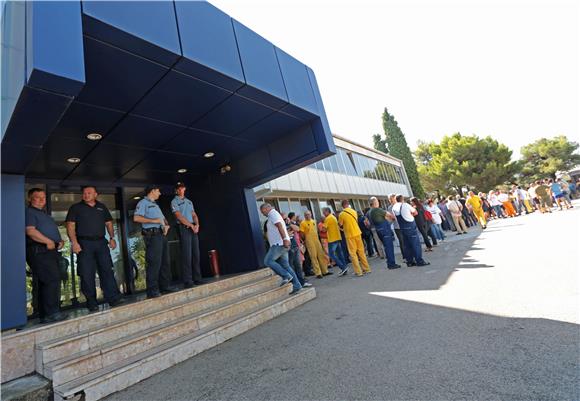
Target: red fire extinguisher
{"x":214,"y":263}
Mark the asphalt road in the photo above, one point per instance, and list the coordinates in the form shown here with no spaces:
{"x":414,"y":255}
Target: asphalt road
{"x":495,"y":317}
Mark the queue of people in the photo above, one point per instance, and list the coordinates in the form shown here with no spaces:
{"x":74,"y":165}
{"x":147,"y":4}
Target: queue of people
{"x":295,"y":248}
{"x":298,"y":248}
{"x":86,"y":224}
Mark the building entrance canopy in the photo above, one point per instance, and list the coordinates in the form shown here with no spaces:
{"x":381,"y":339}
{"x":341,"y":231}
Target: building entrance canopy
{"x":159,"y":84}
{"x":163,"y":83}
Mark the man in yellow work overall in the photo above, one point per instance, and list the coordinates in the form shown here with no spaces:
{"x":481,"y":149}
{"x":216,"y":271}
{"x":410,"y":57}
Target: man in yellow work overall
{"x":309,"y":231}
{"x":349,"y":222}
{"x":475,"y":202}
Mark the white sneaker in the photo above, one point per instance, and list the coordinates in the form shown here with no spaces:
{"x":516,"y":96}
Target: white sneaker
{"x":306,"y":285}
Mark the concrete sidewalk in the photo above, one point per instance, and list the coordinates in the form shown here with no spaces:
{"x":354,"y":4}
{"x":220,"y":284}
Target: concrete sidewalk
{"x":494,"y":317}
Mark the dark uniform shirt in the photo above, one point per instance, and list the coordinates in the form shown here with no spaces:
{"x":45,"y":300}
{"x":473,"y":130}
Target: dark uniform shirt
{"x":89,"y":220}
{"x":40,"y":220}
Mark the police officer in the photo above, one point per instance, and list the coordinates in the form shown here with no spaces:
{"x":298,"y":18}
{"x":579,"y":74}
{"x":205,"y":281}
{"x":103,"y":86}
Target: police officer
{"x":188,"y":226}
{"x":154,"y":230}
{"x":42,"y":244}
{"x":85,"y":226}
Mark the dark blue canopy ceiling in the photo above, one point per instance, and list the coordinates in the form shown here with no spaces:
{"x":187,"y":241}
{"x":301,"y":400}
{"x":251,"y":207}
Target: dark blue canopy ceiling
{"x":163,"y":83}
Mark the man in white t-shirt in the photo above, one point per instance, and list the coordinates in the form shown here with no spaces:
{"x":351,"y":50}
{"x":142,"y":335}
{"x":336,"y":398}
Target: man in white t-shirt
{"x":277,"y":256}
{"x":405,"y":216}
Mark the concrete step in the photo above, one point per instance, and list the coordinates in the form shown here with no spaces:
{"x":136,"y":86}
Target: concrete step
{"x":86,"y":340}
{"x":126,"y":372}
{"x":82,"y":363}
{"x":18,"y":348}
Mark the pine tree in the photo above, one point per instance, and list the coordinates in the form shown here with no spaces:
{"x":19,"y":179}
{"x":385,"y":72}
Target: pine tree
{"x":395,"y":144}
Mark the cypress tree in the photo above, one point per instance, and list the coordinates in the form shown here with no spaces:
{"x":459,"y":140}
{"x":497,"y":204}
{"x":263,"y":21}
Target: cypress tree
{"x":395,"y":144}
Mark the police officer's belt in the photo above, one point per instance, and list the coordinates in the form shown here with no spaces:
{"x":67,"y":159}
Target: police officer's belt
{"x":151,"y":231}
{"x":90,"y":237}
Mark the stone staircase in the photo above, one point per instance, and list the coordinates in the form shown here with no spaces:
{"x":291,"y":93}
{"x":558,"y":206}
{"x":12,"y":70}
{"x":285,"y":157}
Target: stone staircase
{"x":99,"y":354}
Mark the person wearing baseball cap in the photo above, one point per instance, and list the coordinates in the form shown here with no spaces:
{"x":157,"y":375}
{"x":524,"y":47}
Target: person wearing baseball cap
{"x":188,"y":228}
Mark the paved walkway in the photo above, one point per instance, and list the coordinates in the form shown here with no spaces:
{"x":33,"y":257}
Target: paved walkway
{"x":494,"y":317}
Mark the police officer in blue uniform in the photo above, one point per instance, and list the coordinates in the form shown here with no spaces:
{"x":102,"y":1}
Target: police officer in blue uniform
{"x":85,"y":225}
{"x":154,"y":230}
{"x":188,"y":226}
{"x":42,"y":244}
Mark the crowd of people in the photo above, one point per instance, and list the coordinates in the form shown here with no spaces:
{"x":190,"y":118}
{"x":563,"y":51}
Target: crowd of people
{"x":298,"y":248}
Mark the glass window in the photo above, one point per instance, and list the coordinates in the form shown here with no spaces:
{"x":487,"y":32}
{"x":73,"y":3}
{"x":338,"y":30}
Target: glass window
{"x":372,"y":168}
{"x":304,"y":206}
{"x":359,"y":164}
{"x":392,"y":175}
{"x":340,"y":162}
{"x":284,"y":206}
{"x":366,"y":167}
{"x":295,"y":206}
{"x":383,"y":171}
{"x":401,"y":176}
{"x":347,"y":161}
{"x":316,"y":209}
{"x":333,"y":164}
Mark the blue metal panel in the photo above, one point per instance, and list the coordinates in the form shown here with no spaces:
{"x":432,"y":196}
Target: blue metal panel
{"x":170,"y":162}
{"x":196,"y":142}
{"x":210,"y":51}
{"x":13,"y":58}
{"x":51,"y":162}
{"x":25,"y":134}
{"x":233,"y":116}
{"x":116,"y":79}
{"x":147,"y":28}
{"x":298,"y":86}
{"x":91,"y":173}
{"x":220,"y":200}
{"x":180,"y":99}
{"x":82,"y":119}
{"x":109,"y":154}
{"x":144,"y":176}
{"x":292,"y":147}
{"x":13,"y":261}
{"x":16,"y":158}
{"x":261,"y":69}
{"x":322,"y":132}
{"x":143,"y":132}
{"x":271,"y":127}
{"x":255,"y":164}
{"x":55,"y":46}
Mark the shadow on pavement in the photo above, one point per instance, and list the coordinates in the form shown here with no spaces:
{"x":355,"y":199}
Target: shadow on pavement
{"x":448,"y":257}
{"x":342,"y":347}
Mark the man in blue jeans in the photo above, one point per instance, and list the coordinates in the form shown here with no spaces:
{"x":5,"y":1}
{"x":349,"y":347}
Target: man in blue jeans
{"x":381,"y":220}
{"x":277,"y":256}
{"x":405,"y":216}
{"x":334,"y":240}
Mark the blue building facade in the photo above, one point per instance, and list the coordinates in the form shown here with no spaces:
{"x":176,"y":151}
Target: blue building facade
{"x":170,"y":91}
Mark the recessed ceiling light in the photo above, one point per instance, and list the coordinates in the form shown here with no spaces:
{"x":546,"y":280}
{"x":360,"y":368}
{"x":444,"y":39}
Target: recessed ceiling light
{"x":73,"y":160}
{"x":209,"y":155}
{"x":182,"y":170}
{"x":94,"y":136}
{"x":136,"y":197}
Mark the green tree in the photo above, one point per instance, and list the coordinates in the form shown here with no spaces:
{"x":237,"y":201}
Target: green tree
{"x":544,"y":157}
{"x":395,"y":144}
{"x":458,"y":161}
{"x":380,"y":143}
